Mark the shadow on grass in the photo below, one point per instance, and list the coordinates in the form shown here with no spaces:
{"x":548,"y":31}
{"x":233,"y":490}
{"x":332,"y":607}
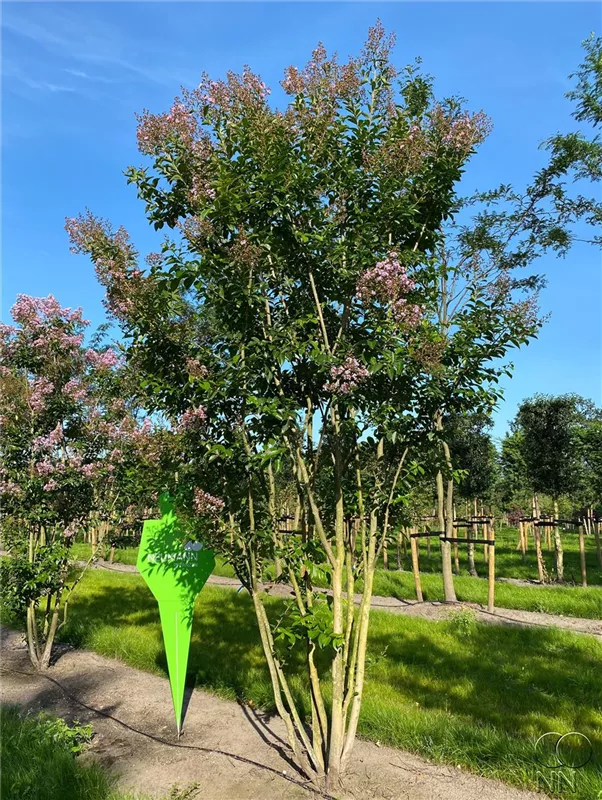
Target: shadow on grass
{"x":473,"y":693}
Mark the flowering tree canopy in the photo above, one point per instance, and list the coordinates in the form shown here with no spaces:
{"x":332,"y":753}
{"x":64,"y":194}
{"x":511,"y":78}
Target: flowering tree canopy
{"x":315,"y":295}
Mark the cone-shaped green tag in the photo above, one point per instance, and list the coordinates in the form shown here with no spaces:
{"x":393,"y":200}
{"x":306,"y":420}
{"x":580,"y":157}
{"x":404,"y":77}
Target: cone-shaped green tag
{"x":175,"y":573}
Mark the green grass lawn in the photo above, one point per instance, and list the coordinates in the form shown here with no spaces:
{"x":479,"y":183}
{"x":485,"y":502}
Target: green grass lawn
{"x":569,"y":601}
{"x":456,"y":692}
{"x":562,"y":600}
{"x":38,"y":762}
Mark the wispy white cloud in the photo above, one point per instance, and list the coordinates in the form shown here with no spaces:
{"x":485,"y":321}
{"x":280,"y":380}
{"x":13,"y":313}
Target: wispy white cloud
{"x":19,"y":79}
{"x":87,"y":40}
{"x":78,"y":73}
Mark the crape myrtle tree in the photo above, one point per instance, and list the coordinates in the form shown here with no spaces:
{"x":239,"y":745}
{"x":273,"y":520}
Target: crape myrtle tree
{"x":65,"y":436}
{"x":297,"y":302}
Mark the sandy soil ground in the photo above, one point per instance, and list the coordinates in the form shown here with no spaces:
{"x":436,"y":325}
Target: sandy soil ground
{"x":232,"y":751}
{"x":501,"y":616}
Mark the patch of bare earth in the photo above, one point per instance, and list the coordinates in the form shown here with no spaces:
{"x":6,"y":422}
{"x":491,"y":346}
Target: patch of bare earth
{"x":232,"y":751}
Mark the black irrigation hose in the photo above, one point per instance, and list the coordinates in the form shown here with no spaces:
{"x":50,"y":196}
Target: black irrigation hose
{"x":158,"y":739}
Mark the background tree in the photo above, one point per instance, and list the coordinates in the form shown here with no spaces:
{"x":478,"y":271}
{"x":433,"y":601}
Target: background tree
{"x":474,"y":455}
{"x":549,"y":449}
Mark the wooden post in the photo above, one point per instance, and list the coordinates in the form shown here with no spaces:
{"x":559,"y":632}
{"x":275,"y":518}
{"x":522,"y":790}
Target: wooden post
{"x":484,"y":527}
{"x":415,"y":568}
{"x":597,"y":531}
{"x":112,"y":554}
{"x":523,"y":541}
{"x":539,"y":554}
{"x":582,"y":556}
{"x":471,"y":533}
{"x":491,"y":583}
{"x":456,"y":551}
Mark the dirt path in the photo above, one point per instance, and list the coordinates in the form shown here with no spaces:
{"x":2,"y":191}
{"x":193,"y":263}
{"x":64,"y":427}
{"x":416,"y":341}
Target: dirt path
{"x":232,"y":751}
{"x":434,"y":610}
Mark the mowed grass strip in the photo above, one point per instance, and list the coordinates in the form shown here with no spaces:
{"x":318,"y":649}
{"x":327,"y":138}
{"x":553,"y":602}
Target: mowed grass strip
{"x":568,"y":601}
{"x":457,"y":692}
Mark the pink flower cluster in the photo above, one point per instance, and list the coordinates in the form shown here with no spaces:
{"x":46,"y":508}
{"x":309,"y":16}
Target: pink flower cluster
{"x":71,"y":529}
{"x":192,"y":419}
{"x":114,"y":259}
{"x":385,"y":282}
{"x":75,"y":390}
{"x":157,"y":130}
{"x":205,"y":503}
{"x":196,"y":369}
{"x":44,"y":468}
{"x":36,"y":312}
{"x":201,"y":190}
{"x":347,"y":377}
{"x":50,"y":441}
{"x":55,"y":338}
{"x":104,"y":360}
{"x":51,"y":485}
{"x":407,"y":314}
{"x":238,"y":87}
{"x":73,"y":461}
{"x":466,"y":131}
{"x":40,"y":388}
{"x":9,"y":488}
{"x":91,"y":470}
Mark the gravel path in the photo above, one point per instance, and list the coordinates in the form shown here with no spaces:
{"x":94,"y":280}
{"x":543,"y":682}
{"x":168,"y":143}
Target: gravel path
{"x":231,"y":750}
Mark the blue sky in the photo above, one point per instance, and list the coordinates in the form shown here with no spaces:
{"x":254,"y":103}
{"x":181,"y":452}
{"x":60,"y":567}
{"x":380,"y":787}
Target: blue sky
{"x":73,"y":74}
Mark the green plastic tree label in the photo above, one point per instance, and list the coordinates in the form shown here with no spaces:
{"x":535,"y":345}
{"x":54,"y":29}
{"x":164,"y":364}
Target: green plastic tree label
{"x":175,"y":573}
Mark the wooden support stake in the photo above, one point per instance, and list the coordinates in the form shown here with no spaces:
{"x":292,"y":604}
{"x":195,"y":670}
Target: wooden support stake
{"x":491,"y":585}
{"x":582,"y":556}
{"x":484,"y":526}
{"x":597,"y":532}
{"x":415,"y":569}
{"x":523,"y":541}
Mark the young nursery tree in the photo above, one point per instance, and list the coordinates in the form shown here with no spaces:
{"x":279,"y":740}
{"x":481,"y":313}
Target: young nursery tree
{"x":549,"y":449}
{"x":474,"y":454}
{"x":297,"y":312}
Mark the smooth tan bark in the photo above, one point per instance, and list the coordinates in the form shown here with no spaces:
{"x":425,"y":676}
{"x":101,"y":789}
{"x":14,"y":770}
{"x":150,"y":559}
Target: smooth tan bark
{"x":582,"y":561}
{"x":491,"y":572}
{"x":558,"y":552}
